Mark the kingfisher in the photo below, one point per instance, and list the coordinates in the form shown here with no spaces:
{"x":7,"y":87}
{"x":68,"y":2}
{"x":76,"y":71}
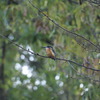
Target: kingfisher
{"x":50,"y":52}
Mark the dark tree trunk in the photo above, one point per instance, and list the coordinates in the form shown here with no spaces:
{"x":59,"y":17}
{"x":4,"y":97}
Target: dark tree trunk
{"x":2,"y":91}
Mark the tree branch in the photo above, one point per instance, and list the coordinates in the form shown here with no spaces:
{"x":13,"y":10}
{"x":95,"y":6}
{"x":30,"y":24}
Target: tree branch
{"x":37,"y":54}
{"x":83,"y":75}
{"x":74,"y":35}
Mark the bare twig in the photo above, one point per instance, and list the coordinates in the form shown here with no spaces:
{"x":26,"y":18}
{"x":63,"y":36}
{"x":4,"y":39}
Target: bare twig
{"x":83,"y":75}
{"x":96,"y":2}
{"x":87,"y":44}
{"x":37,"y":54}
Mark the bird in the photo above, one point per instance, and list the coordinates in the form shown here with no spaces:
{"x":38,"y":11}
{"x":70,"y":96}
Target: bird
{"x":50,"y":52}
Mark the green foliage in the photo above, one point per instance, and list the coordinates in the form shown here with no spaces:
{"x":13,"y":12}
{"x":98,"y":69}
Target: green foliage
{"x":48,"y":79}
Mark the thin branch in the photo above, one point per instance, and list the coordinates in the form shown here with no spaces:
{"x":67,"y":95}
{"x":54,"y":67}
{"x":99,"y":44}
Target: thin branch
{"x":85,"y":78}
{"x":72,"y":34}
{"x":96,"y":2}
{"x":83,"y":75}
{"x":37,"y":54}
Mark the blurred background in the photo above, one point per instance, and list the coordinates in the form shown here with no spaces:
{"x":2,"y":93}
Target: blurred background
{"x":25,"y":76}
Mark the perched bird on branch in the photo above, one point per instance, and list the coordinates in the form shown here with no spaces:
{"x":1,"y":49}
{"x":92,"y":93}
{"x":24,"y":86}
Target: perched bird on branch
{"x":50,"y":52}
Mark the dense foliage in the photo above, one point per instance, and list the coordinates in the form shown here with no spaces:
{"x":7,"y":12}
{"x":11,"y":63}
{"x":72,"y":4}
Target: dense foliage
{"x":24,"y":76}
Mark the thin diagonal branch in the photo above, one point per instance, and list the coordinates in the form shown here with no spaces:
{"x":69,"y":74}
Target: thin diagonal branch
{"x":37,"y":54}
{"x":88,"y":45}
{"x":83,"y":75}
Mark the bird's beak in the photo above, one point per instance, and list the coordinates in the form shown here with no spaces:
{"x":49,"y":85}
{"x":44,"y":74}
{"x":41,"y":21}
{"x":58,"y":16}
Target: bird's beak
{"x":43,"y":47}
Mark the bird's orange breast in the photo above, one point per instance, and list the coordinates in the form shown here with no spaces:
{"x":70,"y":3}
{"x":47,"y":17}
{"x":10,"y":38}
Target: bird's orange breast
{"x":50,"y":53}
